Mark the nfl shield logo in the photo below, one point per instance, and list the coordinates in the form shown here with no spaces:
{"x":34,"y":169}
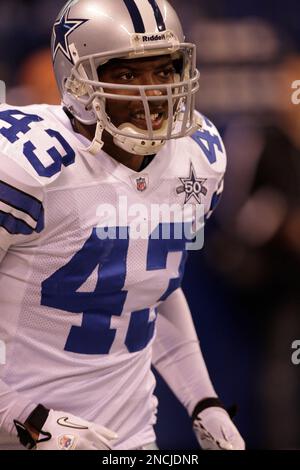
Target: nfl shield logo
{"x":141,"y":184}
{"x":66,"y":442}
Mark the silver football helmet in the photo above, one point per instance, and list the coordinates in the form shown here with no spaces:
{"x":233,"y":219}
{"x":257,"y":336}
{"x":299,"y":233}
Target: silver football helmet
{"x":89,"y":33}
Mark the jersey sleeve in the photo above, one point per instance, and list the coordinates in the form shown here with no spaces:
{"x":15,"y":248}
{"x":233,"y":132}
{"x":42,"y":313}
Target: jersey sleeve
{"x":21,"y":205}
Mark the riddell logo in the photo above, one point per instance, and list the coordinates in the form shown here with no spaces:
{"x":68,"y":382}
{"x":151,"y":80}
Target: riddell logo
{"x":154,"y":37}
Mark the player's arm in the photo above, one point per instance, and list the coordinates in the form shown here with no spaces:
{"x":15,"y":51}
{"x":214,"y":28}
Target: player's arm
{"x":178,"y":358}
{"x":21,"y":220}
{"x":21,"y":216}
{"x":176,"y":351}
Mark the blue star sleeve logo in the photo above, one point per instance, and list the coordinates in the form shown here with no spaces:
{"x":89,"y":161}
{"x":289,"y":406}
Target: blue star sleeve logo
{"x":62,"y":30}
{"x":192,"y":186}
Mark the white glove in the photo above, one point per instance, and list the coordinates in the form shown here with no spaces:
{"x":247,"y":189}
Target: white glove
{"x":215,"y":430}
{"x":64,"y":431}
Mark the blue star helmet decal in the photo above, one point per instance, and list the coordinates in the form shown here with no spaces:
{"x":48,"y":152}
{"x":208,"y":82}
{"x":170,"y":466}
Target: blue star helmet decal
{"x":62,"y":29}
{"x":192,"y":186}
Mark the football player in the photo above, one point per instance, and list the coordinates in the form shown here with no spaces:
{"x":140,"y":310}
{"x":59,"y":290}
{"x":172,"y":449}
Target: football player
{"x":83,"y":316}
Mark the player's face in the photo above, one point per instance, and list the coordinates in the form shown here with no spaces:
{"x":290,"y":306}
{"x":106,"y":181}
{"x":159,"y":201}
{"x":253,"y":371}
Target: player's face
{"x":148,"y":71}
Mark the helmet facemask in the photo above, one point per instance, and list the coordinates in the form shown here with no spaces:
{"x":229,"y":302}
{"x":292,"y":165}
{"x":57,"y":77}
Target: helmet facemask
{"x":87,"y":96}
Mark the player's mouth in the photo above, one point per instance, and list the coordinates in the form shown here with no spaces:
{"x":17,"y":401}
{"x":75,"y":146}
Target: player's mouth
{"x":157,"y":119}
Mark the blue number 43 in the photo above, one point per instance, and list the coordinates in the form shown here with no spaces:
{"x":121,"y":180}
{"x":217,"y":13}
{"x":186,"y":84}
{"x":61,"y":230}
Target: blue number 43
{"x":109,"y":257}
{"x":19,"y":123}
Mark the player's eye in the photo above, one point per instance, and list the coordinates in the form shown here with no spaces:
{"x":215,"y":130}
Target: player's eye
{"x":126,"y":76}
{"x":167,"y":73}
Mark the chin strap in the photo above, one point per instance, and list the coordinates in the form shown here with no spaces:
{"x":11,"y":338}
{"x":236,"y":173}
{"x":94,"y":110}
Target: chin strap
{"x":138,"y":145}
{"x":97,"y":142}
{"x":135,"y":145}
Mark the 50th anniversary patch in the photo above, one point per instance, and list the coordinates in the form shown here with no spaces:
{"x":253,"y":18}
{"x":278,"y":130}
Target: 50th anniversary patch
{"x":192,"y":186}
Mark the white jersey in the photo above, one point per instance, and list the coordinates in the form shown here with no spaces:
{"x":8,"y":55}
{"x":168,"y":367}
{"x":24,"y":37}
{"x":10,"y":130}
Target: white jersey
{"x":78,"y":310}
